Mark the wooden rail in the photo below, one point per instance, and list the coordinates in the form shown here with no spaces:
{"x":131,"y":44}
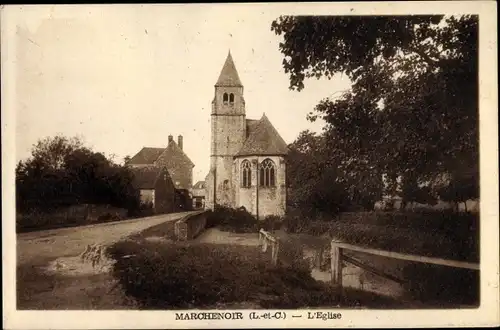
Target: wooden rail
{"x":265,"y":239}
{"x":337,"y":259}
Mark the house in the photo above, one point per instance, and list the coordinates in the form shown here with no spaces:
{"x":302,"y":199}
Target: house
{"x":198,"y":193}
{"x":155,"y":187}
{"x":172,"y":157}
{"x":247,"y":158}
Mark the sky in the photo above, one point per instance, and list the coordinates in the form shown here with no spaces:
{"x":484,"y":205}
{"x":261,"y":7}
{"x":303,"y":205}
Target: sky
{"x":125,"y":77}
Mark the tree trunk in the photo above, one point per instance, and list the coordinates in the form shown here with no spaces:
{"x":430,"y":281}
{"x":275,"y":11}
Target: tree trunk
{"x":465,"y":206}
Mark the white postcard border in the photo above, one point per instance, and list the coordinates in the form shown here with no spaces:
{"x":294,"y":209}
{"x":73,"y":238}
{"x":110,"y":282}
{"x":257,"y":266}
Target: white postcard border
{"x":486,"y":314}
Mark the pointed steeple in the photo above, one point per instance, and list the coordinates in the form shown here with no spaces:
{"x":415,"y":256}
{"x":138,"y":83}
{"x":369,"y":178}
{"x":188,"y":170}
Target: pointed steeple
{"x":229,"y":75}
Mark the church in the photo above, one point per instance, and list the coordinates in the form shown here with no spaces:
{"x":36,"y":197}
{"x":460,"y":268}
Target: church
{"x":247,"y":156}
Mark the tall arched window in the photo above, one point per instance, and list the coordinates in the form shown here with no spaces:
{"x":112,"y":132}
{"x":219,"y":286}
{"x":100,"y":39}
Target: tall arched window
{"x":246,"y":174}
{"x":225,"y":98}
{"x":267,"y":173}
{"x":231,"y":98}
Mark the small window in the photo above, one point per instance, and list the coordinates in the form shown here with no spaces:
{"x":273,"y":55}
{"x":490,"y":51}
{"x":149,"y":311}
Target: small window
{"x":231,"y":98}
{"x":267,"y":173}
{"x":225,"y":98}
{"x":246,"y":174}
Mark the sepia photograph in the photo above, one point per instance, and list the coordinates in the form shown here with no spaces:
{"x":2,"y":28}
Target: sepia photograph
{"x":250,"y":164}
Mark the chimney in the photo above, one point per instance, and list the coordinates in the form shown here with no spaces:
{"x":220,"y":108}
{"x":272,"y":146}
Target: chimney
{"x":170,"y":139}
{"x":179,"y":141}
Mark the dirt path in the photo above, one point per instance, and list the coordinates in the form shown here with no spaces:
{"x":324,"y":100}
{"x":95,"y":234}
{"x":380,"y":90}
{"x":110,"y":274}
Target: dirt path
{"x":217,"y":236}
{"x":72,"y":241}
{"x":50,"y":274}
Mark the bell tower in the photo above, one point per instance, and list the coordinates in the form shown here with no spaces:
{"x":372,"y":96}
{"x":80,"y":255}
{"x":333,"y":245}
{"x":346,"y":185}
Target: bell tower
{"x":228,"y":132}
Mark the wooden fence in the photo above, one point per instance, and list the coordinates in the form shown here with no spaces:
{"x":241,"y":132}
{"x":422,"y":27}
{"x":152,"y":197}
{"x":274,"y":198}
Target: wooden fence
{"x":338,"y":258}
{"x":265,"y":240}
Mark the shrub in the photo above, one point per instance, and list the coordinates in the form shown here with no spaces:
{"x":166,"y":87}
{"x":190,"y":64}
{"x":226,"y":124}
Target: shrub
{"x":271,"y":223}
{"x":296,"y":221}
{"x":442,"y":234}
{"x":181,"y":276}
{"x":233,"y":220}
{"x":172,"y":276}
{"x":74,"y":215}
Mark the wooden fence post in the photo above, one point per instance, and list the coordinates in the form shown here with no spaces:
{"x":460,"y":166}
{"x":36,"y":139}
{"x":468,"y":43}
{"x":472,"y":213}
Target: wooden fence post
{"x":275,"y":250}
{"x":336,"y":264}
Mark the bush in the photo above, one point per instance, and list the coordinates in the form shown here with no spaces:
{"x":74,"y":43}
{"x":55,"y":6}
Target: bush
{"x":435,"y":233}
{"x":182,"y":276}
{"x":74,"y":215}
{"x":233,"y":220}
{"x":172,"y":276}
{"x":296,"y":221}
{"x":271,"y":223}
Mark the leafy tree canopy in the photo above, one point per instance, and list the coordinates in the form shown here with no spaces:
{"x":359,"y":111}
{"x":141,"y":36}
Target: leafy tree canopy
{"x":62,"y":171}
{"x":413,"y":106}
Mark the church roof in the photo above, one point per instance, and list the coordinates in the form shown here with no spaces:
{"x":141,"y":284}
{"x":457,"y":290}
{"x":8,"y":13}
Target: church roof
{"x":146,"y":155}
{"x":229,"y":76}
{"x":251,"y":125}
{"x":263,"y":139}
{"x":146,"y":177}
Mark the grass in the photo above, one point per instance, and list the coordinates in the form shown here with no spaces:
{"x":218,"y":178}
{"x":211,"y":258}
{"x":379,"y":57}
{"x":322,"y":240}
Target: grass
{"x":162,"y":275}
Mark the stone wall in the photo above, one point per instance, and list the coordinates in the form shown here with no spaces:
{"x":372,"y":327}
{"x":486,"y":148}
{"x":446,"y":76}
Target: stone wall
{"x":190,"y":226}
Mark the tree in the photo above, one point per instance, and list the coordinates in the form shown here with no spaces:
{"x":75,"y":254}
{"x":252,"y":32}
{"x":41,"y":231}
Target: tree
{"x":412,"y":191}
{"x":52,"y":152}
{"x":322,"y":180}
{"x":413,"y":106}
{"x":461,"y":187}
{"x":62,"y":171}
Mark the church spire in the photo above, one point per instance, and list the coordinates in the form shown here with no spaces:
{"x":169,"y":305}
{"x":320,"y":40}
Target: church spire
{"x":229,"y":75}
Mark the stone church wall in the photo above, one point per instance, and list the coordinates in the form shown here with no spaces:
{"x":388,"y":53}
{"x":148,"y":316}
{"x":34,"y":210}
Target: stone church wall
{"x":272,"y":200}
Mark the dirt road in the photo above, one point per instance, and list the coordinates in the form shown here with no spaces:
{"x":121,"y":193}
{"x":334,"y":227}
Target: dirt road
{"x":76,"y":285}
{"x":66,"y":242}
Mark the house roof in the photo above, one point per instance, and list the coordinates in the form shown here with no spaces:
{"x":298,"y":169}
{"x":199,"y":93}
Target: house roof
{"x":146,"y":177}
{"x":173,"y":150}
{"x":263,"y":139}
{"x":146,"y":155}
{"x":229,"y":76}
